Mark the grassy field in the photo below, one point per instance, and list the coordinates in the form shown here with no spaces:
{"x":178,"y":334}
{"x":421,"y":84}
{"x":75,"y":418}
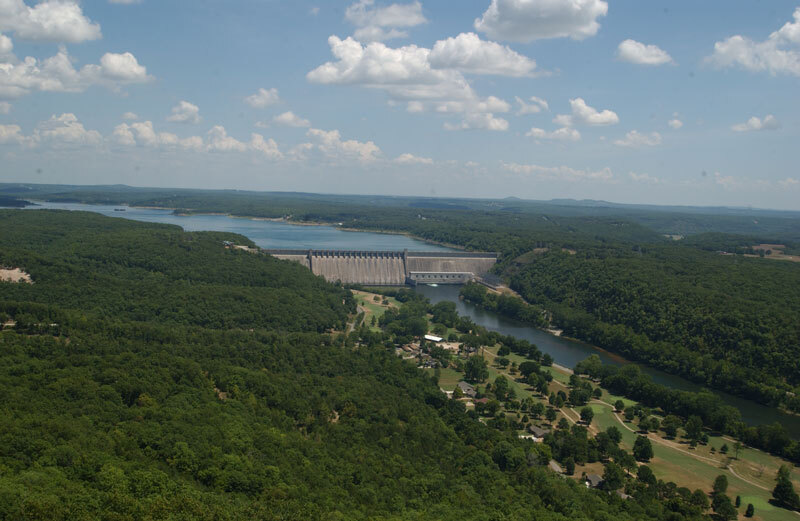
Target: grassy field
{"x":752,"y":476}
{"x":448,"y":378}
{"x":373,"y":308}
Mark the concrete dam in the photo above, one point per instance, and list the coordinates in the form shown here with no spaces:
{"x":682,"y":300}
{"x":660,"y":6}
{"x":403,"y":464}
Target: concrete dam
{"x":392,"y":268}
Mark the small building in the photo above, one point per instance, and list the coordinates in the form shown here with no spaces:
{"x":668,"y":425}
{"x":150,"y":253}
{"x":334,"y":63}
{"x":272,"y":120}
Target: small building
{"x":593,"y":480}
{"x":467,"y":389}
{"x":538,"y":432}
{"x":432,"y":338}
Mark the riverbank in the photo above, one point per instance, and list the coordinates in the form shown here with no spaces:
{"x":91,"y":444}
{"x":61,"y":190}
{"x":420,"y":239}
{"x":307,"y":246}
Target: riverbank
{"x":568,"y":352}
{"x":751,"y":473}
{"x":337,"y":225}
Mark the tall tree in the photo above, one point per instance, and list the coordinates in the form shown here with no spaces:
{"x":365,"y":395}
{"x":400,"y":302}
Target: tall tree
{"x":476,"y":370}
{"x":784,"y":493}
{"x":642,"y":449}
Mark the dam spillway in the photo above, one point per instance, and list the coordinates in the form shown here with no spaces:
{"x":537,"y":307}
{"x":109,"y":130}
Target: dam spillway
{"x":392,"y":268}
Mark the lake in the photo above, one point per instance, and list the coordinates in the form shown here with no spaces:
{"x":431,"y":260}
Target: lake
{"x":277,"y":234}
{"x":266,"y":234}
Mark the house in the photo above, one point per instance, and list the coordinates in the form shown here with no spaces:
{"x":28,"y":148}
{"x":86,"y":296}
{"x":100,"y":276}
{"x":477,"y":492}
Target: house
{"x":593,"y":480}
{"x":432,"y":338}
{"x":538,"y":432}
{"x":467,"y":389}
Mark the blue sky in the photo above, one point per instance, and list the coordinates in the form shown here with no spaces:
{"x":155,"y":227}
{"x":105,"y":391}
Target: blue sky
{"x":666,"y":103}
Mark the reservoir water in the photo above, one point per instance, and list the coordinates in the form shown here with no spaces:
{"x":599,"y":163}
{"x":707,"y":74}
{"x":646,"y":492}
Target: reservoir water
{"x":276,"y":234}
{"x":265,"y":233}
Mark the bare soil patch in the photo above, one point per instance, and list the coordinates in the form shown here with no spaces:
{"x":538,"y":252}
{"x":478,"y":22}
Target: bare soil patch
{"x":14,"y":275}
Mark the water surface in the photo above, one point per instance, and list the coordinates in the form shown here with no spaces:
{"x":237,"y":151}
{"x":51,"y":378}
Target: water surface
{"x":266,"y":234}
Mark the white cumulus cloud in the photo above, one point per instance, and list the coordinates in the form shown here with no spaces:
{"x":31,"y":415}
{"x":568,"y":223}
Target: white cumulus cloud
{"x":675,"y":123}
{"x":754,"y":123}
{"x":528,"y":20}
{"x":266,"y":147}
{"x":12,"y":135}
{"x":644,"y":178}
{"x":290,"y":119}
{"x":330,"y":143}
{"x":5,"y":107}
{"x":51,"y":20}
{"x":536,"y":105}
{"x":778,"y":54}
{"x":562,"y":134}
{"x":583,"y":114}
{"x":406,"y":75}
{"x":220,"y":141}
{"x":6,"y":48}
{"x":185,"y":112}
{"x":263,"y":98}
{"x":481,"y":120}
{"x":122,"y":67}
{"x":468,"y":53}
{"x":560,"y":173}
{"x":130,"y":116}
{"x":411,"y":159}
{"x":634,"y":138}
{"x":642,"y":54}
{"x":65,"y":130}
{"x":383,"y":23}
{"x":57,"y":74}
{"x":726,"y":181}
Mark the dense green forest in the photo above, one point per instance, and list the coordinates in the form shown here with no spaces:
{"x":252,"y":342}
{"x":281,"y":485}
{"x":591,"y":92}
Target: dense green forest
{"x":155,"y":374}
{"x":726,"y":321}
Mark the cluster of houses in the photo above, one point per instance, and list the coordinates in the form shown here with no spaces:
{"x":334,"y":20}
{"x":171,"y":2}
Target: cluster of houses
{"x":537,"y":434}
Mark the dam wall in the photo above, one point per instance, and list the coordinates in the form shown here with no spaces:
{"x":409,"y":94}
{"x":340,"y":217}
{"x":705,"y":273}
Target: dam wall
{"x":359,"y":267}
{"x":435,"y":262}
{"x":392,"y":268}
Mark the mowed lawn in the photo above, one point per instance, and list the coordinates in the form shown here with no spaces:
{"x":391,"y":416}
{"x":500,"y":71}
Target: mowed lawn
{"x":676,"y":464}
{"x":373,"y":308}
{"x":672,"y":464}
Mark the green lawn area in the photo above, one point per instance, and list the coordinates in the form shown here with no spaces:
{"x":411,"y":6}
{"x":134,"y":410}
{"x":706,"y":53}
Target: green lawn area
{"x":672,"y":464}
{"x":371,"y":308}
{"x":448,"y":378}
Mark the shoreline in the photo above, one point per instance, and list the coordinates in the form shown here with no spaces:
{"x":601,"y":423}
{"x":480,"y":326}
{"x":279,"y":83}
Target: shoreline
{"x":291,"y":222}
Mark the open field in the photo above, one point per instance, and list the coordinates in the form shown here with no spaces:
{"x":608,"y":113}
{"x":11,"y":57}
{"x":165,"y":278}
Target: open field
{"x":774,"y":251}
{"x":373,"y":308}
{"x":752,"y":476}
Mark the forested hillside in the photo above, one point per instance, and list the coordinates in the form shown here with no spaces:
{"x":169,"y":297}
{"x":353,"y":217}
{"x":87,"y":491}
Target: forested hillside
{"x":727,"y":322}
{"x":155,"y":374}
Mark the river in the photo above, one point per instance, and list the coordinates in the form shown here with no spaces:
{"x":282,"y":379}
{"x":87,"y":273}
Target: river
{"x":277,"y":234}
{"x":569,"y":352}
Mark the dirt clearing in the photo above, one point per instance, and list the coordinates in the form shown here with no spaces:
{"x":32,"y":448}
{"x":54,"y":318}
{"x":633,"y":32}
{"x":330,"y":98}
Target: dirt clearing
{"x":14,"y":275}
